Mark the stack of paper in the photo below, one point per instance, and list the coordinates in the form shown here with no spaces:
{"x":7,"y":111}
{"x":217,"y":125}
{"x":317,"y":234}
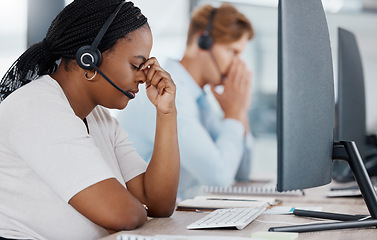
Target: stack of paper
{"x":212,"y":202}
{"x":177,"y":237}
{"x":256,"y":236}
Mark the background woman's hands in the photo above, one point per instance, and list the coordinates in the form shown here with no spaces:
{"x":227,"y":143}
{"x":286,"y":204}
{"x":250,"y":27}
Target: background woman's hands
{"x":236,"y":97}
{"x":160,"y":87}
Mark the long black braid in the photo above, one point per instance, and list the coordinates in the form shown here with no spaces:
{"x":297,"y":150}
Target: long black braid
{"x":75,"y":26}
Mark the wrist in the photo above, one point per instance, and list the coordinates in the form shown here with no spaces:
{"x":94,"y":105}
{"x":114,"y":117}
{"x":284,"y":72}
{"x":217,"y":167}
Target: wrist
{"x":243,"y":119}
{"x":171,"y":113}
{"x":237,"y":116}
{"x":246,"y":124}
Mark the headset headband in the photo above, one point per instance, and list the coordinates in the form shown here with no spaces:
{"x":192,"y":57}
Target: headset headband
{"x":104,"y":28}
{"x":210,"y":20}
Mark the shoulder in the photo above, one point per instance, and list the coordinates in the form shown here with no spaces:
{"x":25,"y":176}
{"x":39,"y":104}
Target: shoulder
{"x":176,"y":70}
{"x":40,"y":96}
{"x":186,"y":100}
{"x":184,"y":82}
{"x":41,"y":89}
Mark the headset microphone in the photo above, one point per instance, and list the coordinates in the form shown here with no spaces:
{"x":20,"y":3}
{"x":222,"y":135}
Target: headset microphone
{"x":128,"y":94}
{"x":89,"y":57}
{"x":223,"y":76}
{"x":205,"y":42}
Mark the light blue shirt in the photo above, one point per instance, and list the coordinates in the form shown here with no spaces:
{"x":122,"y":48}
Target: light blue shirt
{"x":213,"y":150}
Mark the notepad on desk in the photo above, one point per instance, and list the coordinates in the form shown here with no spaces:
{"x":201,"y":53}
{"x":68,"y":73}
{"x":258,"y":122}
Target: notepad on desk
{"x":213,"y":202}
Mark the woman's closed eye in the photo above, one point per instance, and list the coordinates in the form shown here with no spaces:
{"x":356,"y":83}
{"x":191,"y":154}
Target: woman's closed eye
{"x":135,"y":67}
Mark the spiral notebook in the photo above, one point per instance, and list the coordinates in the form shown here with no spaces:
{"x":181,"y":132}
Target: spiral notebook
{"x":248,"y":190}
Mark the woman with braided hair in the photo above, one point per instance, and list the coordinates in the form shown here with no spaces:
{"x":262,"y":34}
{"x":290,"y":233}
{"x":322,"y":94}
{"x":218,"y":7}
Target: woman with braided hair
{"x":67,"y":169}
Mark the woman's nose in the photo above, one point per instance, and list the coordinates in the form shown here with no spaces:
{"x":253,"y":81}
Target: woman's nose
{"x":140,"y":77}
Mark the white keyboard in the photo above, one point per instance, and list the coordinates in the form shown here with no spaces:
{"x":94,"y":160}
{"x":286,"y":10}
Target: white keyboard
{"x":227,"y":217}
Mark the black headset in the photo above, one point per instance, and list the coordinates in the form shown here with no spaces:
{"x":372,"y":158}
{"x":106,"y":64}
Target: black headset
{"x":205,"y":41}
{"x":89,"y":57}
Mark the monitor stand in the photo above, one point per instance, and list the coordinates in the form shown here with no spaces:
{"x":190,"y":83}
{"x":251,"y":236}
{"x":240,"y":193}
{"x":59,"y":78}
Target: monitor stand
{"x":345,"y":150}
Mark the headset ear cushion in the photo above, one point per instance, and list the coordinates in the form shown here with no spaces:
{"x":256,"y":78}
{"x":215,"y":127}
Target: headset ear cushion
{"x":205,"y":42}
{"x":84,"y":53}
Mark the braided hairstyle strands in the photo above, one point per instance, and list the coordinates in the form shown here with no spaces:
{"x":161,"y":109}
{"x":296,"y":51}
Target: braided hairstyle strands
{"x":75,"y":26}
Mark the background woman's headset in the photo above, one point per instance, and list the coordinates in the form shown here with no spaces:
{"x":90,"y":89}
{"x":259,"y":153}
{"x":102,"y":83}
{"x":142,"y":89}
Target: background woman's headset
{"x":205,"y":41}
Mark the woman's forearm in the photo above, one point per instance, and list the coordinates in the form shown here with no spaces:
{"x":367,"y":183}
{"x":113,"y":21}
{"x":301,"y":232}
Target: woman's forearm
{"x":162,"y":176}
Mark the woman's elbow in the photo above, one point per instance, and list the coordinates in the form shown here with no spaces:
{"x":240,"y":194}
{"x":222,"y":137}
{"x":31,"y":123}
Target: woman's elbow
{"x":133,"y":223}
{"x":126,"y":222}
{"x":168,"y":212}
{"x":162,"y":212}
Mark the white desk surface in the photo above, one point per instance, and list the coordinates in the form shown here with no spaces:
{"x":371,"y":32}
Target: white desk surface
{"x":176,"y":224}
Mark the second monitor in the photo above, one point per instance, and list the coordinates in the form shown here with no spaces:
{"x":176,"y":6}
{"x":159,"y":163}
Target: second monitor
{"x":306,"y":111}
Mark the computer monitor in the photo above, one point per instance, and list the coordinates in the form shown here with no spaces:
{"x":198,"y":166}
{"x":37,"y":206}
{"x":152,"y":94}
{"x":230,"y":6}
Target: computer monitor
{"x":350,"y":116}
{"x":306,"y":112}
{"x":306,"y":108}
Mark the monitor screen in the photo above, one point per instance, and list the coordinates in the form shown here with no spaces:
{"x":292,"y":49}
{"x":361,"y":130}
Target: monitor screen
{"x":306,"y":105}
{"x":351,"y":115}
{"x":350,"y":122}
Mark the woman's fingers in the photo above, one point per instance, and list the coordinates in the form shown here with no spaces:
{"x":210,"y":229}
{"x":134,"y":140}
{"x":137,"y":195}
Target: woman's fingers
{"x":162,"y":81}
{"x":156,"y":76}
{"x":155,"y":70}
{"x":149,"y":62}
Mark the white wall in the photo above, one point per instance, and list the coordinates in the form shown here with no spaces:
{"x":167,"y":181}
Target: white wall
{"x":169,"y":23}
{"x":12,"y":32}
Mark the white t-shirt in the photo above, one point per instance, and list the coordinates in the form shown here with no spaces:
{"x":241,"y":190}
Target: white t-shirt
{"x":47,"y":156}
